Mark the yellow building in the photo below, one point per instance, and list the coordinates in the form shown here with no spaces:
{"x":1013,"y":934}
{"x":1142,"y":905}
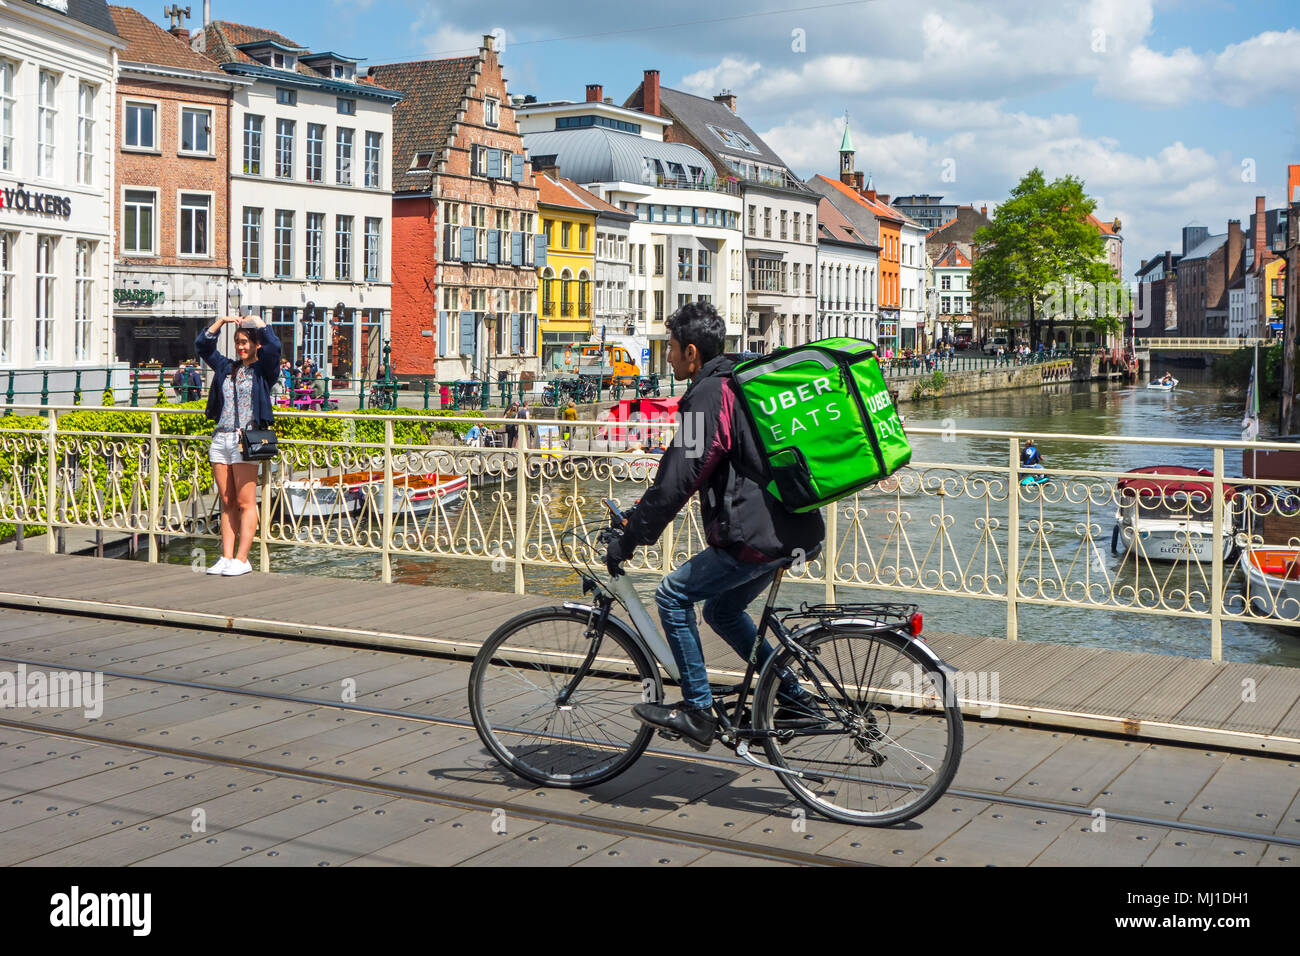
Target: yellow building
{"x":1274,"y":272}
{"x":564,"y":308}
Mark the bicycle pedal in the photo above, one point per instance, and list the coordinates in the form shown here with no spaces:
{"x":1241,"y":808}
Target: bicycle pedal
{"x":668,"y":734}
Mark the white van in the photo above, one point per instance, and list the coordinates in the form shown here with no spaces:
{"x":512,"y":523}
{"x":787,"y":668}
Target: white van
{"x":992,"y":345}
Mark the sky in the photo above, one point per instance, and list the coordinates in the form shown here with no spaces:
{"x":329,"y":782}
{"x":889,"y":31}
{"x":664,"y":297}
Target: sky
{"x":1170,"y":111}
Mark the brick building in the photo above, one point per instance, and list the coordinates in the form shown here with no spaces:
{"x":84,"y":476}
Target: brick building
{"x":1205,"y":273}
{"x":465,"y":218}
{"x":171,"y":254}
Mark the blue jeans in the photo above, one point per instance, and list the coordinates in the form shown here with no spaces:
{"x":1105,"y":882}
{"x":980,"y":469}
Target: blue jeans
{"x":726,"y":586}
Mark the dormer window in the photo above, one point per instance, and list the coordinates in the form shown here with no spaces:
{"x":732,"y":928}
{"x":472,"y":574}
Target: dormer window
{"x":422,"y":160}
{"x":344,"y":71}
{"x":284,"y":61}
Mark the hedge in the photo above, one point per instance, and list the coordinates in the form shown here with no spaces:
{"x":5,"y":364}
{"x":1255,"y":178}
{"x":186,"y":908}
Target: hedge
{"x":182,"y":459}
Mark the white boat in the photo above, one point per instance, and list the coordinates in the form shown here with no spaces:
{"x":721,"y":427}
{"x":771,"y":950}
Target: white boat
{"x":329,"y":495}
{"x":417,"y":494}
{"x":1160,"y":386}
{"x":1165,"y":512}
{"x":1272,"y":580}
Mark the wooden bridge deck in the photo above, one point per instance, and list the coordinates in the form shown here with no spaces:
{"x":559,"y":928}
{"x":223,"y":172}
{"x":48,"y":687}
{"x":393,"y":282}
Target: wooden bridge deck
{"x":310,"y":795}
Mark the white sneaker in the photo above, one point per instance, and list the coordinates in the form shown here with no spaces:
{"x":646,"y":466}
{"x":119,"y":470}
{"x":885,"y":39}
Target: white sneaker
{"x":219,"y":567}
{"x":236,"y":567}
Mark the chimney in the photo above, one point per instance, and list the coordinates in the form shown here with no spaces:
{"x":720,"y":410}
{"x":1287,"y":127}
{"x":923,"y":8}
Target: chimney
{"x":1257,"y":236}
{"x":650,"y":93}
{"x":883,"y":197}
{"x":488,"y":40}
{"x":984,"y":210}
{"x":594,"y":93}
{"x":727,"y":99}
{"x":1292,"y":184}
{"x":1232,"y":259}
{"x":551,"y":172}
{"x":207,"y":12}
{"x":180,"y":33}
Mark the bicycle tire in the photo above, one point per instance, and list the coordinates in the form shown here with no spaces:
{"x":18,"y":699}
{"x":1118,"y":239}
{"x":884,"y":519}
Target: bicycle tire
{"x":555,"y":754}
{"x":876,"y":659}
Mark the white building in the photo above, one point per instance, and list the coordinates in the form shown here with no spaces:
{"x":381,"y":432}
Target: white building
{"x":914,"y":319}
{"x":57,"y":72}
{"x":685,"y":243}
{"x":614,"y":273}
{"x":310,"y":197}
{"x":952,"y":295}
{"x":847,"y":278}
{"x":1240,"y":321}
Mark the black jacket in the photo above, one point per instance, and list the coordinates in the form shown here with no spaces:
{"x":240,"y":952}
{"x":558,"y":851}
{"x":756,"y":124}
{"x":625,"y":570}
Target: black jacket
{"x":716,"y":453}
{"x":267,"y":367}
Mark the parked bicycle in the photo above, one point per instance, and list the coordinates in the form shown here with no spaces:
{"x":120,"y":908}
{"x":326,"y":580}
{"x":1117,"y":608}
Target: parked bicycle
{"x":551,"y":695}
{"x":382,"y":395}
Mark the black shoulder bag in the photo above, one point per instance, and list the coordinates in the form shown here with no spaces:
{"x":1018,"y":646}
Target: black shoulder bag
{"x":255,"y":444}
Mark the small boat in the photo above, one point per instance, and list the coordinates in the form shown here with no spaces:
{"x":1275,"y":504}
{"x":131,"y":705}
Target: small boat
{"x":330,"y":495}
{"x":1166,"y":513}
{"x":1160,"y":386}
{"x":417,"y":494}
{"x":1272,"y":580}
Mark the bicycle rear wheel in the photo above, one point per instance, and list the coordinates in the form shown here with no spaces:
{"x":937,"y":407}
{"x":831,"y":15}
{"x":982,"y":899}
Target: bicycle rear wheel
{"x":886,"y":736}
{"x":516,"y":682}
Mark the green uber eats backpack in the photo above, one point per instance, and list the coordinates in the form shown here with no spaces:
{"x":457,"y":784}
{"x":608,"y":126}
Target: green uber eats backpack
{"x":824,"y":420}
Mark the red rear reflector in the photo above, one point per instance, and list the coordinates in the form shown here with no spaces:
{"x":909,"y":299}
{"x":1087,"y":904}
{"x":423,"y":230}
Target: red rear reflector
{"x":915,"y":623}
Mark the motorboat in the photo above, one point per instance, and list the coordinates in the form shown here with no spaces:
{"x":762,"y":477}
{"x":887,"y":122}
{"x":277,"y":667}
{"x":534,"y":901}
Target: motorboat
{"x":417,"y":494}
{"x":1038,"y":479}
{"x":1272,"y":580}
{"x":1161,"y":386}
{"x":1166,"y":513}
{"x":330,"y":495}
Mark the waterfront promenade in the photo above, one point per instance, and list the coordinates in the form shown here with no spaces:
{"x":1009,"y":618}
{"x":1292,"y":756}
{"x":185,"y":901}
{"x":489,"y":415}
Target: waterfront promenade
{"x":232,"y":697}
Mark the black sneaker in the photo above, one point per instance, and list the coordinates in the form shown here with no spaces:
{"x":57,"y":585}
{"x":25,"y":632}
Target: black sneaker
{"x":694,"y":725}
{"x":797,"y":710}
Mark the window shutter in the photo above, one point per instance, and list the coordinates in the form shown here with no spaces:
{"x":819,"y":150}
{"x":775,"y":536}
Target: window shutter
{"x":494,"y":163}
{"x":466,"y":243}
{"x":444,"y":333}
{"x":493,"y":246}
{"x":517,"y":248}
{"x":539,"y":251}
{"x":446,"y":241}
{"x":514,"y":333}
{"x":517,"y":168}
{"x":467,"y":334}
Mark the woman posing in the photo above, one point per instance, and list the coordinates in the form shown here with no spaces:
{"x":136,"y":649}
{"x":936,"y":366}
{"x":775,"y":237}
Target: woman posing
{"x":240,"y":398}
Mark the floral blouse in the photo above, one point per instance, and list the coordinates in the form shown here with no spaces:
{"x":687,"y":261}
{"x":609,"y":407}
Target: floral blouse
{"x":244,"y":377}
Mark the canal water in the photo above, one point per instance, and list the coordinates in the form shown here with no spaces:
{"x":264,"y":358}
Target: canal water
{"x":1198,"y":408}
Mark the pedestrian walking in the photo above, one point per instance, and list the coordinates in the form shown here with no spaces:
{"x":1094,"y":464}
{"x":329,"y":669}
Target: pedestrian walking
{"x":512,"y":430}
{"x":240,"y":398}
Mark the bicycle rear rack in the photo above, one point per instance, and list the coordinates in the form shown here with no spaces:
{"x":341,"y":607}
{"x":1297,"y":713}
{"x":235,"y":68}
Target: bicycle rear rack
{"x":883,"y":614}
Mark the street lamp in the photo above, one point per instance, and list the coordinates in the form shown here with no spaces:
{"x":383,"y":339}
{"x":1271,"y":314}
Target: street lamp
{"x":234,"y":296}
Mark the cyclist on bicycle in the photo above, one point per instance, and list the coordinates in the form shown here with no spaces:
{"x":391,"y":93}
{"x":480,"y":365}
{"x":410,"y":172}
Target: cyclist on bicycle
{"x":750,"y":535}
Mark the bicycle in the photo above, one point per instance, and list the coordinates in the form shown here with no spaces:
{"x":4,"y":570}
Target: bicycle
{"x":382,"y":395}
{"x":551,"y":694}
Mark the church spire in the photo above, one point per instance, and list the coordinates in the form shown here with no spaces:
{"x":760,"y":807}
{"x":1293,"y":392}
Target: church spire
{"x":846,"y":152}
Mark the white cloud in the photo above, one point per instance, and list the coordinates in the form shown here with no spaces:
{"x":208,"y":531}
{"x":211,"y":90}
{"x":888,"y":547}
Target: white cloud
{"x":1264,"y":65}
{"x":732,"y":72}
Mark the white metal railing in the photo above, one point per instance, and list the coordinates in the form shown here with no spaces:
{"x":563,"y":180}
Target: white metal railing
{"x":1217,"y":344}
{"x":966,"y":529}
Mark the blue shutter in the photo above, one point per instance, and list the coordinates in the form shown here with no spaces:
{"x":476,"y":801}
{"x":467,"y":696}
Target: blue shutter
{"x":467,"y":333}
{"x":539,"y":250}
{"x":494,"y":163}
{"x":444,"y":333}
{"x":493,"y":246}
{"x":517,"y":168}
{"x":466,"y":243}
{"x":517,"y":248}
{"x":514,"y":333}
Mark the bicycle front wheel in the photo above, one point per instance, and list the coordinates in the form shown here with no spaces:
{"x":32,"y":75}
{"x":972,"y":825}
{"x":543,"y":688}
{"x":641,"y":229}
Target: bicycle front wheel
{"x":538,"y":718}
{"x":884,"y":739}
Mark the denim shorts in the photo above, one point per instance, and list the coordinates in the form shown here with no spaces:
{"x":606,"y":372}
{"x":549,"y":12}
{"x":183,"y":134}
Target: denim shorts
{"x":224,"y":449}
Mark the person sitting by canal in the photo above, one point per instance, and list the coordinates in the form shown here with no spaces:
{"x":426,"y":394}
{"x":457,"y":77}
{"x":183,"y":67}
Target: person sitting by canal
{"x":240,"y":398}
{"x":750,"y":534}
{"x":1030,"y":457}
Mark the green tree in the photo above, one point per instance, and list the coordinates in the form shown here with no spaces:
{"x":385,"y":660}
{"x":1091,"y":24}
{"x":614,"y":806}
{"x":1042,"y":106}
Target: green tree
{"x":1040,"y":252}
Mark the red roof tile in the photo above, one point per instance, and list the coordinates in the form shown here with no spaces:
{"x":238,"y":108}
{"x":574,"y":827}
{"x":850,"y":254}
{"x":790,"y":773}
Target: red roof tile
{"x":147,"y":42}
{"x":422,"y":121}
{"x":875,"y":207}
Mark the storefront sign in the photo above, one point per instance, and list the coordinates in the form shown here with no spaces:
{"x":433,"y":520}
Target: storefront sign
{"x":24,"y":200}
{"x":140,"y":297}
{"x":156,"y":332}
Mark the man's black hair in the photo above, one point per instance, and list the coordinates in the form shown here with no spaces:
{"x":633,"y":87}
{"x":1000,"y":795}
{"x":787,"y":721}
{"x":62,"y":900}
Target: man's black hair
{"x":698,"y":324}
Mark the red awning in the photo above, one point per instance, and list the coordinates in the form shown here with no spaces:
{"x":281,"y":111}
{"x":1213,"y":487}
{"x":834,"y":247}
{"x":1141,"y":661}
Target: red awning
{"x":1173,"y":480}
